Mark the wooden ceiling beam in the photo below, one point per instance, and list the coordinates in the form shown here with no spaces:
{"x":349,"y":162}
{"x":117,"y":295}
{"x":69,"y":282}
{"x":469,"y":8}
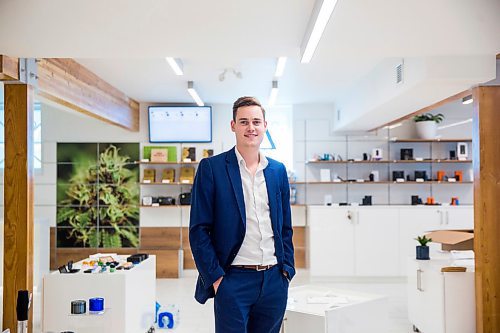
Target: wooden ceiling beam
{"x":9,"y":68}
{"x":428,"y":108}
{"x":66,"y":82}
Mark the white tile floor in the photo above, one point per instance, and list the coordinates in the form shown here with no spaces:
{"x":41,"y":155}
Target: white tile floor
{"x":197,"y":318}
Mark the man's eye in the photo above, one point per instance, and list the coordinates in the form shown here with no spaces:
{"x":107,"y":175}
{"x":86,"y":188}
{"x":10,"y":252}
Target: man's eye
{"x":243,"y":122}
{"x":256,"y":123}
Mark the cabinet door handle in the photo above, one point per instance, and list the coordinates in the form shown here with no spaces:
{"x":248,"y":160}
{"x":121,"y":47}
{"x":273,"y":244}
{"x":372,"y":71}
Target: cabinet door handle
{"x":357,"y":217}
{"x":419,"y":280}
{"x":349,"y":215}
{"x":447,"y":217}
{"x":440,"y":216}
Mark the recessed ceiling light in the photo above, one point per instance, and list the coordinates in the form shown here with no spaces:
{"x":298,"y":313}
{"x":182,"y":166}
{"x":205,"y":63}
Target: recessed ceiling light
{"x":280,"y":66}
{"x":467,"y":99}
{"x":274,"y":93}
{"x":176,"y":65}
{"x":194,"y":94}
{"x":318,"y":21}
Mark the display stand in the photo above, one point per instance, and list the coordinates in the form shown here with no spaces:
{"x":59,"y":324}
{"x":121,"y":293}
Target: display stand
{"x":129,"y":300}
{"x":326,"y":310}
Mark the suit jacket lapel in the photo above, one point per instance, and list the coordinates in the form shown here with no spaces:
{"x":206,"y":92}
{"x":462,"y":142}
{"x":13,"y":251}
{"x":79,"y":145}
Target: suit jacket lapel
{"x":233,"y":170}
{"x":272,"y":192}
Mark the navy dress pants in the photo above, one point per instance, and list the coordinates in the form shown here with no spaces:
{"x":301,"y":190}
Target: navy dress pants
{"x":249,"y":301}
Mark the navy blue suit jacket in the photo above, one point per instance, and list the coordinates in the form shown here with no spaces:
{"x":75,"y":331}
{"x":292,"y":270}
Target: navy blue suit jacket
{"x":218,"y":220}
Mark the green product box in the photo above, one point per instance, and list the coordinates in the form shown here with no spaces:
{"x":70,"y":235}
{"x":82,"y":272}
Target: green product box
{"x":172,"y":152}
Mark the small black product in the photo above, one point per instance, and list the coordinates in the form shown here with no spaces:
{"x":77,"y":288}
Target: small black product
{"x":78,"y":307}
{"x":421,"y":174}
{"x":138,"y":258}
{"x":453,"y":155}
{"x":397,"y":175}
{"x":166,"y":201}
{"x":185,"y":198}
{"x":406,"y":154}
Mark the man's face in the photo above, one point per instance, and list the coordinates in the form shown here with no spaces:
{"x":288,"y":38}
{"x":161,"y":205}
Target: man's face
{"x":249,"y":127}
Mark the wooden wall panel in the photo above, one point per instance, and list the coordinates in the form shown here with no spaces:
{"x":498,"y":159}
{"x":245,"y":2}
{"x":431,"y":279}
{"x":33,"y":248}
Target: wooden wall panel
{"x":9,"y":68}
{"x":486,"y":165}
{"x":160,"y":238}
{"x":167,"y":261}
{"x":299,"y":236}
{"x":18,"y":199}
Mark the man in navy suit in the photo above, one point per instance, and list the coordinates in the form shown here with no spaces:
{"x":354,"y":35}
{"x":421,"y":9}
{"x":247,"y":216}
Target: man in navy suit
{"x":241,"y":231}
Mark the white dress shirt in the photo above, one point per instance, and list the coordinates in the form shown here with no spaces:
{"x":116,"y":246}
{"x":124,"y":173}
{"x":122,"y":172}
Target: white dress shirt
{"x":258,"y":244}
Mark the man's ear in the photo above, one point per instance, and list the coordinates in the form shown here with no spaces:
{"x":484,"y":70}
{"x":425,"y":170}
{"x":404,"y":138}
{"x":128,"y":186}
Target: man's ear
{"x":265,"y":124}
{"x":232,"y":125}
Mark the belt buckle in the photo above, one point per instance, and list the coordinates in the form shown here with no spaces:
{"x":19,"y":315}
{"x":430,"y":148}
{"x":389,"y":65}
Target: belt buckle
{"x":261,"y":269}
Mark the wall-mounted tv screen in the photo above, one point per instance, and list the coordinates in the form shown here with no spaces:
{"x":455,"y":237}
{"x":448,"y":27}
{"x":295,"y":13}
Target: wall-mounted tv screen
{"x":180,"y":124}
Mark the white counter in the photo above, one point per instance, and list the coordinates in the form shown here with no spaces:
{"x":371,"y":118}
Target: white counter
{"x":129,"y":300}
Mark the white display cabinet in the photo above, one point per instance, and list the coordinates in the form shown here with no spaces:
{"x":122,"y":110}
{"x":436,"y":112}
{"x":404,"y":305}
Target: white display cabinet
{"x":129,"y":300}
{"x":440,"y":302}
{"x":374,"y":240}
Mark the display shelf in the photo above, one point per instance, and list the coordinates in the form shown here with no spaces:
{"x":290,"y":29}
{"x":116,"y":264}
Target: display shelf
{"x":159,"y":183}
{"x":381,"y":183}
{"x":167,"y":163}
{"x":391,"y":161}
{"x":348,"y":162}
{"x":433,"y":156}
{"x":164,"y":206}
{"x":429,"y":141}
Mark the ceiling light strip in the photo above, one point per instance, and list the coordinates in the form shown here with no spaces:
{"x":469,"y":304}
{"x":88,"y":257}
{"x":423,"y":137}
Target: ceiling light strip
{"x":274,"y":93}
{"x":194,"y":94}
{"x":176,"y":65}
{"x":280,"y":66}
{"x":320,"y":22}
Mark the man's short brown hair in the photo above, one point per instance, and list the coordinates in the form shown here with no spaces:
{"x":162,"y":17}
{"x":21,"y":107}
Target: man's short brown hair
{"x":247,"y":101}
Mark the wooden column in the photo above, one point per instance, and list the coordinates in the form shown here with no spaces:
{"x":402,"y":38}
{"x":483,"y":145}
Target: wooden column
{"x":486,"y":164}
{"x":18,"y":199}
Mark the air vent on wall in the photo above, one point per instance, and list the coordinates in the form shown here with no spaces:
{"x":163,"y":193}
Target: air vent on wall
{"x":399,"y":73}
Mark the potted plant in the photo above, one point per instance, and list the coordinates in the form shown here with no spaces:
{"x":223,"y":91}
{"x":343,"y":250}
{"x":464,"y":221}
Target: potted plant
{"x":426,"y":124}
{"x":423,"y":249}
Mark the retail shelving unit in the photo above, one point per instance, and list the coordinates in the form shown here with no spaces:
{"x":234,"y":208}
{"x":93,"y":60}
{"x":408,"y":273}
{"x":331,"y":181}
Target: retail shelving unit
{"x":350,"y":175}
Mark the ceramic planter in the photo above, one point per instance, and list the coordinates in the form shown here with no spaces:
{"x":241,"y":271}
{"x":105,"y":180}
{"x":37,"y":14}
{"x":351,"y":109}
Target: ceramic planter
{"x":423,"y":253}
{"x":426,"y":129}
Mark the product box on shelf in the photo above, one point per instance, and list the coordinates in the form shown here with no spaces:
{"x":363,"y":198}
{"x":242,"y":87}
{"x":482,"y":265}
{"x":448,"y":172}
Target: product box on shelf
{"x":159,"y":155}
{"x":168,"y":175}
{"x":149,"y":175}
{"x":189,"y":154}
{"x":171,"y":150}
{"x":187,"y":175}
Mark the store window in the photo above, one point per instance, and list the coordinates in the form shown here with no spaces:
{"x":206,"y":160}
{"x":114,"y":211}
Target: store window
{"x":37,"y":137}
{"x":278,"y":143}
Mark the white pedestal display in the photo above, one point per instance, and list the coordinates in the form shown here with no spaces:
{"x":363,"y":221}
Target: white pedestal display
{"x":129,"y":300}
{"x":326,"y":310}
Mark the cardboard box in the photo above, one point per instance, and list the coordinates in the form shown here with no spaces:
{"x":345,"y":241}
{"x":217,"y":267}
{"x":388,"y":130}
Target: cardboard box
{"x":159,"y":155}
{"x":453,"y":239}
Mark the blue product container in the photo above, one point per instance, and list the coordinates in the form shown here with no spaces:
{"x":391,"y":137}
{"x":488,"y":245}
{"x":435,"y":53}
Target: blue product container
{"x":96,"y":305}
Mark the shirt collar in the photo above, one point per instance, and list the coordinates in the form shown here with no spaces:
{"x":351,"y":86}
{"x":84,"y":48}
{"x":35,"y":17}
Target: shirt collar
{"x":263,"y":159}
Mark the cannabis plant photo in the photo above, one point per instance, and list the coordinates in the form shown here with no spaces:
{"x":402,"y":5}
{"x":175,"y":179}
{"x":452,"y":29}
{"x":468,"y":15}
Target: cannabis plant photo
{"x":97,"y":195}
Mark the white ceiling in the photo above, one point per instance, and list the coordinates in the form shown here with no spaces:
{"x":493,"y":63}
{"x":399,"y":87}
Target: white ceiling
{"x":125,"y":42}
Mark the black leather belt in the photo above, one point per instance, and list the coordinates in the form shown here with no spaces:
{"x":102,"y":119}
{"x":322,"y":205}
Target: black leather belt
{"x":254,"y":267}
